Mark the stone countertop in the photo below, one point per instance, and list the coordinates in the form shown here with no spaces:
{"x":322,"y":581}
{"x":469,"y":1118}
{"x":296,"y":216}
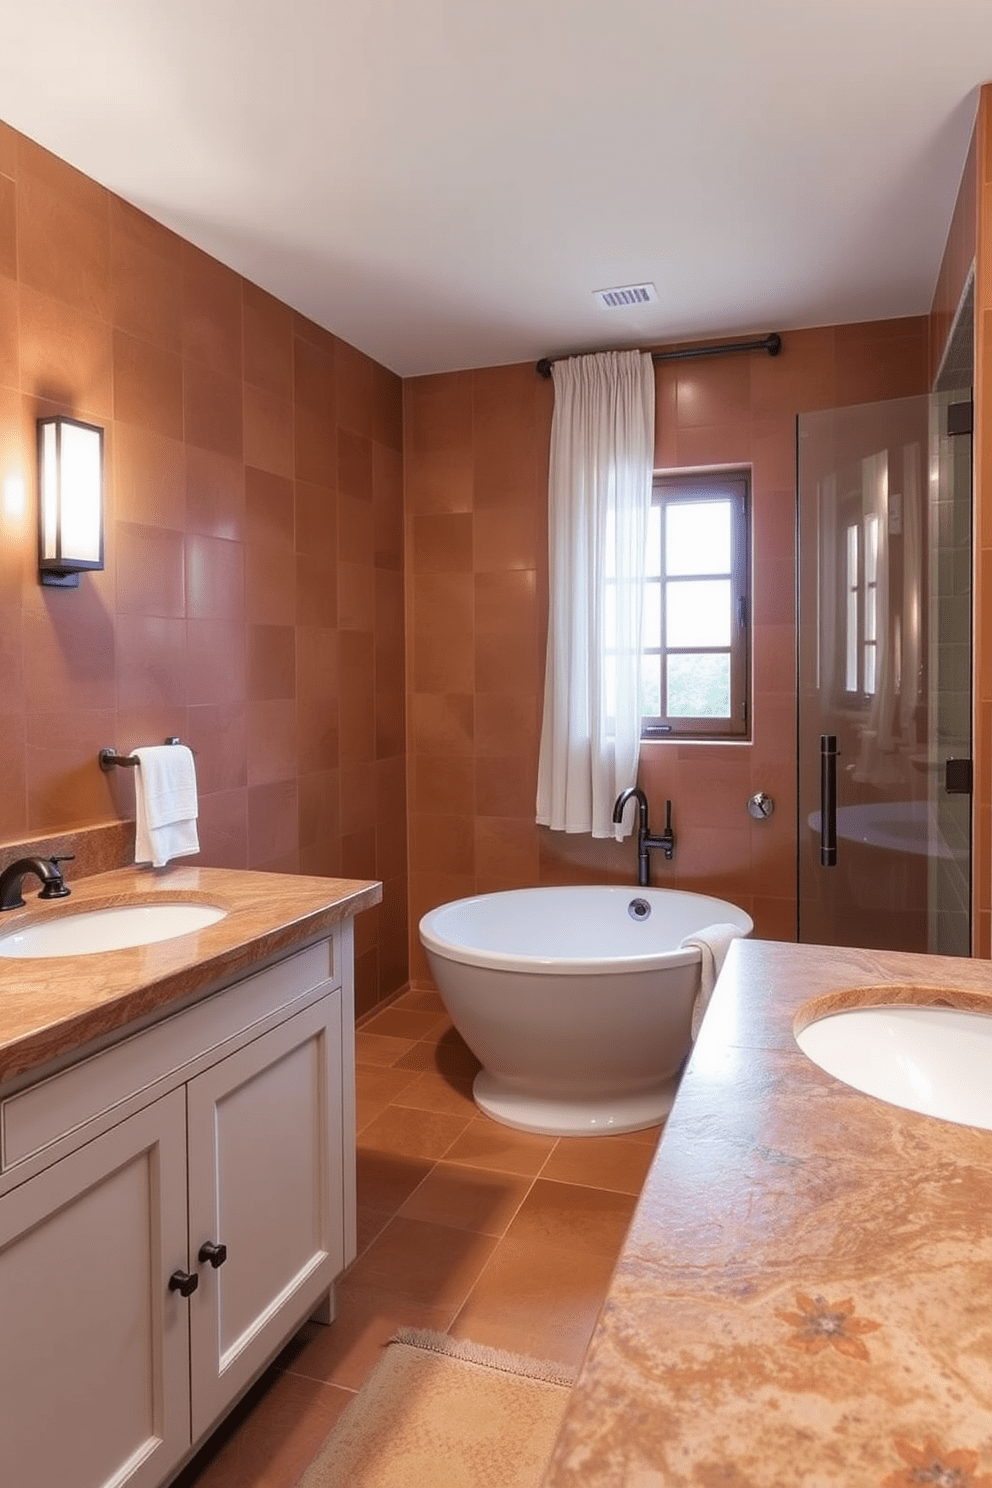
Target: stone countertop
{"x":804,"y":1292}
{"x":52,"y":1006}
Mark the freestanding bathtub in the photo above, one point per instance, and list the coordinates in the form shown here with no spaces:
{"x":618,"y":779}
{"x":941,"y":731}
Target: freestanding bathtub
{"x":577,"y":1001}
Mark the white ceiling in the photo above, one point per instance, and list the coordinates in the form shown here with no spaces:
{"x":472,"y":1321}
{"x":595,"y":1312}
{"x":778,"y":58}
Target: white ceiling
{"x":444,"y":183}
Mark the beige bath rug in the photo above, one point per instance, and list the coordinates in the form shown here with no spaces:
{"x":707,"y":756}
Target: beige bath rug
{"x":437,"y":1413}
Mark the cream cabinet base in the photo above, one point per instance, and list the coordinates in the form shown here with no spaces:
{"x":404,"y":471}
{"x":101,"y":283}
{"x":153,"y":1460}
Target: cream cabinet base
{"x":229,"y":1176}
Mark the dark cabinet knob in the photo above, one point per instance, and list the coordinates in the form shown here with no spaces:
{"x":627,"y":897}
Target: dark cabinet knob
{"x":215,"y":1254}
{"x":184,"y":1282}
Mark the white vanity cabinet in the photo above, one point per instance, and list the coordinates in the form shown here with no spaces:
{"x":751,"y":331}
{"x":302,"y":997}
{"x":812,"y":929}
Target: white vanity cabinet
{"x":211,"y":1154}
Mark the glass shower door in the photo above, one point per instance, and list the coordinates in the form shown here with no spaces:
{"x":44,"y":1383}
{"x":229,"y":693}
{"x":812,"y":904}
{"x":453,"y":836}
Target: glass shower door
{"x":884,"y":675}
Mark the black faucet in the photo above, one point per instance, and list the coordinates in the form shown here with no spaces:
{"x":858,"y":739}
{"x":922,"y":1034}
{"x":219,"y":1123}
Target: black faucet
{"x":53,"y":886}
{"x":645,"y":841}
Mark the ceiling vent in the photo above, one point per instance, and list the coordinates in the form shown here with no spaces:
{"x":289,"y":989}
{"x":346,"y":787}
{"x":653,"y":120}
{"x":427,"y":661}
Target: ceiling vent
{"x":626,"y":294}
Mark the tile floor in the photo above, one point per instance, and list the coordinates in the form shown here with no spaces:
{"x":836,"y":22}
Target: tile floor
{"x":464,"y":1225}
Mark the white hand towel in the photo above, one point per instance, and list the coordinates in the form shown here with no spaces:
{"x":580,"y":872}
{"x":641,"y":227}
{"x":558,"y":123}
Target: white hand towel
{"x":166,"y":804}
{"x":713,"y":942}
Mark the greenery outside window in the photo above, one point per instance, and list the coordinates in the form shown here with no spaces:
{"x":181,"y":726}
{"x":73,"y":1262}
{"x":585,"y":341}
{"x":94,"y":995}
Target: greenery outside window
{"x":695,"y":649}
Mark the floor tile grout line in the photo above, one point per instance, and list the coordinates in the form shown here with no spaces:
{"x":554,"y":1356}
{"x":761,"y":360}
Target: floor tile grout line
{"x":612,"y":1193}
{"x":468,"y":1167}
{"x":616,"y":1193}
{"x":412,"y":1298}
{"x":457,"y":1139}
{"x":483,"y":1167}
{"x":397,"y":1104}
{"x":357,"y":1289}
{"x":626,"y":1193}
{"x":487,"y":1234}
{"x":480,"y":1166}
{"x":495,"y":1257}
{"x":419,"y":1186}
{"x":315,"y":1379}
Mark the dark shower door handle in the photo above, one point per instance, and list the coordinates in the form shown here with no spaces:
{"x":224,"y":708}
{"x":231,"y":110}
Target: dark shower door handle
{"x":828,"y":800}
{"x":957,"y":778}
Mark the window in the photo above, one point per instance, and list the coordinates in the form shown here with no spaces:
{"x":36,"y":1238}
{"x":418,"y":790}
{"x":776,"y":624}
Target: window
{"x":861,"y":583}
{"x":694,"y":666}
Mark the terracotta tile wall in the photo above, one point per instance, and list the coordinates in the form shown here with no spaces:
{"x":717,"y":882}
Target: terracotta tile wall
{"x":475,"y":469}
{"x":252,"y":600}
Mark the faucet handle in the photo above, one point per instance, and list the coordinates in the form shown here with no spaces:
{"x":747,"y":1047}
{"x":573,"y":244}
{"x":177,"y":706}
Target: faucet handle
{"x":55,"y":887}
{"x":668,"y":836}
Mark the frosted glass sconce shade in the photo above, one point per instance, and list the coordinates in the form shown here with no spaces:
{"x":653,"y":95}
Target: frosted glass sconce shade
{"x":70,"y":500}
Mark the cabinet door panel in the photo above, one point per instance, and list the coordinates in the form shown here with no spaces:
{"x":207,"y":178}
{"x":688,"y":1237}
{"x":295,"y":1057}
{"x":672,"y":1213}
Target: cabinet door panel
{"x":266,"y":1182}
{"x":94,"y":1353}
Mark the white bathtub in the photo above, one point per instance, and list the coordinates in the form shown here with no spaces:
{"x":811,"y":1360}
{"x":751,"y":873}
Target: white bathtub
{"x":578,"y":1009}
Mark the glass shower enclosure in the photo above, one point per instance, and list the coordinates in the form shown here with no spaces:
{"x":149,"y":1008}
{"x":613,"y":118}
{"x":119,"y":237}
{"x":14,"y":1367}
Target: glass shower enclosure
{"x":885,"y":567}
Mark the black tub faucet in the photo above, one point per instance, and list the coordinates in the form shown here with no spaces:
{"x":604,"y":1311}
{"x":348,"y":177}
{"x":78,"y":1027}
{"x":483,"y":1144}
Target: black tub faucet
{"x":645,"y":841}
{"x":53,"y":886}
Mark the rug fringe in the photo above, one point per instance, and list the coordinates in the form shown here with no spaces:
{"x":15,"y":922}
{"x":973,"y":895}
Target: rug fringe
{"x":492,"y":1358}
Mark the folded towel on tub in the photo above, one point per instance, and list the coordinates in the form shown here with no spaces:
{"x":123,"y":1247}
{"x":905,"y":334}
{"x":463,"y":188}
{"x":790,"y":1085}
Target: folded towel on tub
{"x":713,"y":943}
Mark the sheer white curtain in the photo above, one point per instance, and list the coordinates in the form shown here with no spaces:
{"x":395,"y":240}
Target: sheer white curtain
{"x":602,"y":457}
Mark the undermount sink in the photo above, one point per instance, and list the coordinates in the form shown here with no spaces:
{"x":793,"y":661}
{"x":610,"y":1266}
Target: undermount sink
{"x":934,"y":1060}
{"x":112,"y":929}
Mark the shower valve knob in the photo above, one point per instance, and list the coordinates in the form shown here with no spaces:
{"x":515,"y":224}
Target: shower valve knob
{"x":760,"y":806}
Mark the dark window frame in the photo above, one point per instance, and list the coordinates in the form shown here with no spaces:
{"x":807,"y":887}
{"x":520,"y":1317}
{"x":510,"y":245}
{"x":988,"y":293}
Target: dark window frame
{"x":695,"y":486}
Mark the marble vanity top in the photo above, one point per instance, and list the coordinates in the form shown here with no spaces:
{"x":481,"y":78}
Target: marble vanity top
{"x":51,"y":1007}
{"x":805,"y":1293}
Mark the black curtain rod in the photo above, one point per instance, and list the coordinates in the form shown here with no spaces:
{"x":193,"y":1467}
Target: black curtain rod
{"x":772,"y":344}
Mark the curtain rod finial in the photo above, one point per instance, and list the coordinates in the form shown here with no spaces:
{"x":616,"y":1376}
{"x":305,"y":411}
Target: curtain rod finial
{"x":543,"y":367}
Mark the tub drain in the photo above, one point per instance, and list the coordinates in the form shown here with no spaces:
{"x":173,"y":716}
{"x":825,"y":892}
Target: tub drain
{"x":638,"y":909}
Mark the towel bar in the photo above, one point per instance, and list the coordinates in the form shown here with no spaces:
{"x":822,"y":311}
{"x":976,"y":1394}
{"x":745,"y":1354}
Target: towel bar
{"x":110,"y":757}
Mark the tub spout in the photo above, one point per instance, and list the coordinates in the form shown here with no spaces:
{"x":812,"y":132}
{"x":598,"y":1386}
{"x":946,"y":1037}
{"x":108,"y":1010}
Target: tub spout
{"x":646,"y":842}
{"x":632,"y":792}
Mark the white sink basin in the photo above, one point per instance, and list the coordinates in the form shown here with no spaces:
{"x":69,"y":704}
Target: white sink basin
{"x":111,"y":929}
{"x":934,"y":1060}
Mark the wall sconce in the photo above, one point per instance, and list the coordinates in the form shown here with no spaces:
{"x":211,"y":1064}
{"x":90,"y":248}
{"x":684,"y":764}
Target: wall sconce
{"x":70,"y":500}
